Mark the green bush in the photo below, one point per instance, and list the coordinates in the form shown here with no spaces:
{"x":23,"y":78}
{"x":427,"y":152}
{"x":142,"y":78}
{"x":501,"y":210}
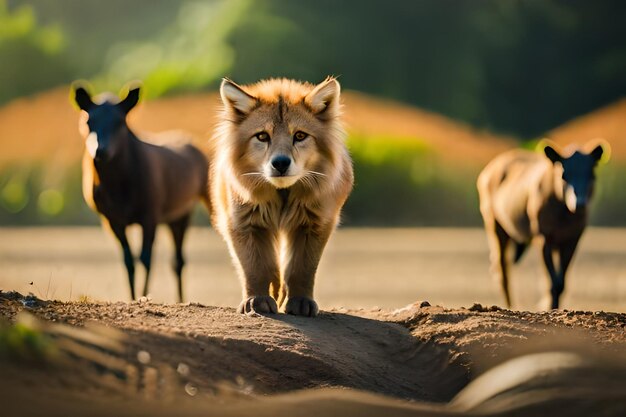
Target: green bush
{"x":401,"y":182}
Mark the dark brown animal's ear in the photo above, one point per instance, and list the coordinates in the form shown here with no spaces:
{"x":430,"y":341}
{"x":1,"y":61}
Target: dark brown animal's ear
{"x":82,"y":98}
{"x":130,"y":101}
{"x":552,"y":154}
{"x":236,"y":99}
{"x":325,"y":97}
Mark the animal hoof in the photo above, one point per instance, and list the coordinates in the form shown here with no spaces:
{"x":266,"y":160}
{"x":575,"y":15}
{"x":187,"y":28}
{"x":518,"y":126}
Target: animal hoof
{"x":302,"y":306}
{"x":261,"y":304}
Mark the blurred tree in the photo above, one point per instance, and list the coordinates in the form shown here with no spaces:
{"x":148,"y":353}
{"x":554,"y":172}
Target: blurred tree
{"x":31,"y":55}
{"x":516,"y":66}
{"x":188,"y":54}
{"x":546,"y":62}
{"x":93,"y":27}
{"x":520,"y":67}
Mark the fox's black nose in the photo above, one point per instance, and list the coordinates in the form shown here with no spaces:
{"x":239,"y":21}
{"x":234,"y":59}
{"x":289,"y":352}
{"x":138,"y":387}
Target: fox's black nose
{"x":281,"y":164}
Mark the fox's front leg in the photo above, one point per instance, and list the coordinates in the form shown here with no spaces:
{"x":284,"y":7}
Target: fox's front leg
{"x":304,"y":251}
{"x":255,"y":250}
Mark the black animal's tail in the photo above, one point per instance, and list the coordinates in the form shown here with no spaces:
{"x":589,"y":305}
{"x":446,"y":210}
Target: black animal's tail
{"x":520,"y":249}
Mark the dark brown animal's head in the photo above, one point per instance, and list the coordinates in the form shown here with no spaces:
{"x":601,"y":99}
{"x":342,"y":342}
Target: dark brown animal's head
{"x":106,"y":129}
{"x":577,"y":174}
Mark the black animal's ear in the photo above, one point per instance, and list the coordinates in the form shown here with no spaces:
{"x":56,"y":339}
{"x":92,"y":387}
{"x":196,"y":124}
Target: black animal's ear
{"x":82,"y":98}
{"x":130,"y":101}
{"x":552,"y":154}
{"x":597,"y":152}
{"x":236,"y":99}
{"x":599,"y":149}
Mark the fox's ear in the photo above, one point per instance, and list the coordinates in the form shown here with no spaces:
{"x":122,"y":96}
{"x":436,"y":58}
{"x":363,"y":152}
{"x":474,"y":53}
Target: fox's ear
{"x":82,"y":98}
{"x":325,"y":97}
{"x":236,"y":99}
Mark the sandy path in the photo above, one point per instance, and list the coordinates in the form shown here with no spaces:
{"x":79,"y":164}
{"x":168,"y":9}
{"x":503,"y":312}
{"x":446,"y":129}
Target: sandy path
{"x":361,"y":268}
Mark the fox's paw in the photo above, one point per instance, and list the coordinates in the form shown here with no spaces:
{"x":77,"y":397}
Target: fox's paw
{"x":262,"y":304}
{"x":301,"y":306}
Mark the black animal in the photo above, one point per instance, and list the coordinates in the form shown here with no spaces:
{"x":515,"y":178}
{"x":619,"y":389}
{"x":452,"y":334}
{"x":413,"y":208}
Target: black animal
{"x":525,"y":194}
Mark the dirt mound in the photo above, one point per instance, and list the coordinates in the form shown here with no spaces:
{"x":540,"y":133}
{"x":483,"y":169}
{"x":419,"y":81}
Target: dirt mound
{"x":197,"y":358}
{"x":43,"y":128}
{"x":608,"y":122}
{"x":270,"y":354}
{"x":482,"y":337}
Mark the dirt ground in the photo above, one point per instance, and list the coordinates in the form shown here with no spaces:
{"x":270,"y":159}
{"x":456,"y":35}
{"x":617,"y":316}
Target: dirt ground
{"x":120,"y":359}
{"x":93,"y":353}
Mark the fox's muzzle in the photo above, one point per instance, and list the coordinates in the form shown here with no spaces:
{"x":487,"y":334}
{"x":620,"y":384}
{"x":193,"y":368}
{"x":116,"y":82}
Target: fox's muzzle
{"x":281,"y":164}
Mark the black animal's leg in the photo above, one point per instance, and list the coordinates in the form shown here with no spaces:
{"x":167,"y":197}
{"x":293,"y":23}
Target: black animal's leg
{"x":149,"y":230}
{"x":120,"y":233}
{"x":498,"y":261}
{"x":555,"y":277}
{"x":566,"y":252}
{"x":520,"y":249}
{"x":178,"y":228}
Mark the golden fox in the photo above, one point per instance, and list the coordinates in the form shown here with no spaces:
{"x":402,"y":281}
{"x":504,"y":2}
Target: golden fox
{"x":279,"y":176}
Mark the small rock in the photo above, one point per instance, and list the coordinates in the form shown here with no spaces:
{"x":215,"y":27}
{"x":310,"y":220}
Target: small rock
{"x":190,"y":389}
{"x":143,"y":357}
{"x":424,"y":304}
{"x":476,"y":307}
{"x":183,"y":369}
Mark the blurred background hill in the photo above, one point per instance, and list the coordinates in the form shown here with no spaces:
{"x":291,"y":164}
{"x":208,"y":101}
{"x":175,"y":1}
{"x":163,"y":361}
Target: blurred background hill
{"x":435,"y":88}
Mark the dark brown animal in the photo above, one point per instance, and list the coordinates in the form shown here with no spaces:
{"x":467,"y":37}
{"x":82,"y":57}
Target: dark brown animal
{"x":524,"y":195}
{"x":129,"y":181}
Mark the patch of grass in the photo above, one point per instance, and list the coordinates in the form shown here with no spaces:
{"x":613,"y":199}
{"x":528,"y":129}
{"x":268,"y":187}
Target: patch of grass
{"x":25,"y":341}
{"x":84,"y":299}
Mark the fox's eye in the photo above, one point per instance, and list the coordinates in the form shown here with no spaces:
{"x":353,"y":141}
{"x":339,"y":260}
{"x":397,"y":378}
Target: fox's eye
{"x":300,"y":136}
{"x":262,"y":137}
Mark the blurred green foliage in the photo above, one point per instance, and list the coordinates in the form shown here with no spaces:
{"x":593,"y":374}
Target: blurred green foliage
{"x":520,"y":67}
{"x":190,"y":53}
{"x":27,"y":48}
{"x":399,"y":181}
{"x":27,"y":197}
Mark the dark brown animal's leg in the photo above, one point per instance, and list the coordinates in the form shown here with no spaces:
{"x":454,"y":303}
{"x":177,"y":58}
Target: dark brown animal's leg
{"x":178,"y":228}
{"x":566,"y":252}
{"x":149,"y":230}
{"x":499,"y":266}
{"x":120,"y":234}
{"x":555,"y":277}
{"x":304,"y":250}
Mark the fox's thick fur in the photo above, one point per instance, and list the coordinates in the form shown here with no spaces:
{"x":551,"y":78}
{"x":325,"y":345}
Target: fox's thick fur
{"x":280,"y":174}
